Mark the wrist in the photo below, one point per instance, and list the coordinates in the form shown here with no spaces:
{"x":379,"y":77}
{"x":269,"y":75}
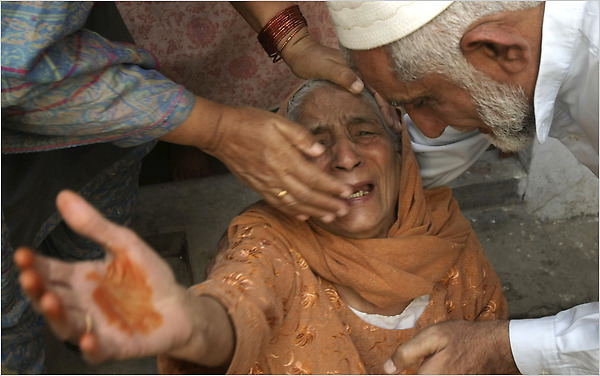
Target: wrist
{"x":288,"y":26}
{"x":505,"y":363}
{"x":211,"y":340}
{"x":203,"y":128}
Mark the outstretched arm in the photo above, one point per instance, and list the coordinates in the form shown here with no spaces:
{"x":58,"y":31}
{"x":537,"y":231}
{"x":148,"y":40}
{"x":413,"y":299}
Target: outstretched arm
{"x":127,"y":305}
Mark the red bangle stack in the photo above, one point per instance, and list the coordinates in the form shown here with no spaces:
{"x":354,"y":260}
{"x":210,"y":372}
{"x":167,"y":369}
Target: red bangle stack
{"x":289,"y":20}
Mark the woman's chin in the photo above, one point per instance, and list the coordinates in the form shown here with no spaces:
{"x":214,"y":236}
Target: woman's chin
{"x":353,"y":228}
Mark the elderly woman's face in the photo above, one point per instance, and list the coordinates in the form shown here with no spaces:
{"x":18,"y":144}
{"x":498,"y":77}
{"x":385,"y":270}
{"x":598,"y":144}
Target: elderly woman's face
{"x":360,"y":153}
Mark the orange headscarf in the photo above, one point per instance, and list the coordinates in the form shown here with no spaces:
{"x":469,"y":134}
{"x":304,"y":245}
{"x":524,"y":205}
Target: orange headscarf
{"x":422,"y":245}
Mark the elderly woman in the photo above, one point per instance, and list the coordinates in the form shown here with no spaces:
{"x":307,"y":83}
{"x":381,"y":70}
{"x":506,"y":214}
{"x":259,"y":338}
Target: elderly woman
{"x":287,"y":296}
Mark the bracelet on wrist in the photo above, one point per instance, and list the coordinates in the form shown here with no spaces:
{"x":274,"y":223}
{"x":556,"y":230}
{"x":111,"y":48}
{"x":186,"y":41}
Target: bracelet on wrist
{"x":283,"y":27}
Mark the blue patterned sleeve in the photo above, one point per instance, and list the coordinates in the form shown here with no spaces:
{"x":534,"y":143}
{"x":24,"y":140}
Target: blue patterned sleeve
{"x":65,"y":86}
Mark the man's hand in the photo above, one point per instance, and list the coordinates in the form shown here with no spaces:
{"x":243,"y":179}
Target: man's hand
{"x":457,"y":347}
{"x":127,"y":305}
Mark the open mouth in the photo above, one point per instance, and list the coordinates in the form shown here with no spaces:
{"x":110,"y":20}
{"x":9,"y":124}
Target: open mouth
{"x":362,"y":191}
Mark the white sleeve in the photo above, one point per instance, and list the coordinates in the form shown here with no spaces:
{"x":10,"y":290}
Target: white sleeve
{"x":443,"y":159}
{"x":565,"y":344}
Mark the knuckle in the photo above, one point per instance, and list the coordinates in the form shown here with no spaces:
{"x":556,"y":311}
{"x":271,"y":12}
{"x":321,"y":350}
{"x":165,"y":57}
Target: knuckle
{"x":303,"y":195}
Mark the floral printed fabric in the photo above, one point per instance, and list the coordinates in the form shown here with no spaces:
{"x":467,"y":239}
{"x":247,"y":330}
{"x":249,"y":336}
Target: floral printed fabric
{"x":209,"y":47}
{"x":288,"y":320}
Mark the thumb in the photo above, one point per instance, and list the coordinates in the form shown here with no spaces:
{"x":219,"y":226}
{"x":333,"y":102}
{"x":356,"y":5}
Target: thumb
{"x":347,"y":78}
{"x":410,"y":353}
{"x":84,"y":219}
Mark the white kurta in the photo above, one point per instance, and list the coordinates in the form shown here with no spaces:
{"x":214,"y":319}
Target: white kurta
{"x":566,"y":108}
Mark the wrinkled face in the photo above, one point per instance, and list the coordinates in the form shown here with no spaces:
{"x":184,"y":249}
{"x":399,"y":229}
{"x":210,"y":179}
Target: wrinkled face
{"x":499,"y":111}
{"x":360,"y":153}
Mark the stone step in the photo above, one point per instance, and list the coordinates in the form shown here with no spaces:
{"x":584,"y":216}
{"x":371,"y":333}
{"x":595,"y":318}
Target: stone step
{"x":491,"y":181}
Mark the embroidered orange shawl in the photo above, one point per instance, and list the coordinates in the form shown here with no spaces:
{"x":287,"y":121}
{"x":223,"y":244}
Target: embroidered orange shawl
{"x":421,"y":246}
{"x":276,"y":278}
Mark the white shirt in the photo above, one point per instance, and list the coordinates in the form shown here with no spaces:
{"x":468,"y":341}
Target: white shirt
{"x":443,"y":159}
{"x":406,"y":320}
{"x":566,"y":91}
{"x":566,"y":108}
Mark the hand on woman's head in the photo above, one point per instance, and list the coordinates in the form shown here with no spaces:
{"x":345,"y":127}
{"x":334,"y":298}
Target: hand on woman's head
{"x":309,"y":59}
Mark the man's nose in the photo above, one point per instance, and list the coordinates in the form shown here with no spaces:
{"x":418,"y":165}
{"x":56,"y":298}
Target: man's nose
{"x":345,"y":155}
{"x":429,"y":124}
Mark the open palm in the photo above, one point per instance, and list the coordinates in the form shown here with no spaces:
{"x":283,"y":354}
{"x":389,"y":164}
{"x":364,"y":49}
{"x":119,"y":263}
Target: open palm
{"x":124,"y":306}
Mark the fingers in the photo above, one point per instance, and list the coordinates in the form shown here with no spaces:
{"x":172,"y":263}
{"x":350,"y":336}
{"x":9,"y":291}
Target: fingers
{"x":23,"y":258}
{"x":310,"y":191}
{"x":310,"y":59}
{"x":304,"y":170}
{"x":52,"y":307}
{"x":305,"y":195}
{"x":30,"y":278}
{"x":341,"y":74}
{"x":32,"y":283}
{"x":392,"y":115}
{"x":421,"y":346}
{"x":45,"y":281}
{"x":269,"y":155}
{"x":299,"y":137}
{"x":88,"y":344}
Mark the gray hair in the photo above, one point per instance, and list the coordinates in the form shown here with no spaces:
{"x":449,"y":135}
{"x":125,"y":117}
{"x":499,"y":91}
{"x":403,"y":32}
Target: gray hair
{"x":296,"y":104}
{"x":430,"y":49}
{"x":435,"y":49}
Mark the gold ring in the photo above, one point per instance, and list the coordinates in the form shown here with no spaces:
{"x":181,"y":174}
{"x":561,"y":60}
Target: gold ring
{"x":282,"y":193}
{"x":88,"y":323}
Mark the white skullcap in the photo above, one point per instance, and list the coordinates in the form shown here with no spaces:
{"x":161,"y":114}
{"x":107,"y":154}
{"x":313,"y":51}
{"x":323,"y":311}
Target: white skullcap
{"x":362,"y":25}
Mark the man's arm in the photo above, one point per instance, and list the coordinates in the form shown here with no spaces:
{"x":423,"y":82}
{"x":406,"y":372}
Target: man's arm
{"x":563,"y":344}
{"x":457,"y":347}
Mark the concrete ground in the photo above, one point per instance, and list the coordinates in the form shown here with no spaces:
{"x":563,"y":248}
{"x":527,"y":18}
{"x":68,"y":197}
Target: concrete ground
{"x":544,"y":266}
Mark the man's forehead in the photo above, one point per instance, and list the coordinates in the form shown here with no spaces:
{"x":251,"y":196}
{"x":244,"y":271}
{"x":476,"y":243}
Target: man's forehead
{"x":375,"y":68}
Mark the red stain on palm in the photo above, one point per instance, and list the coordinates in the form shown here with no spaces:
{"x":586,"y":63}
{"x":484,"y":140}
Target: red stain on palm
{"x":125,"y":297}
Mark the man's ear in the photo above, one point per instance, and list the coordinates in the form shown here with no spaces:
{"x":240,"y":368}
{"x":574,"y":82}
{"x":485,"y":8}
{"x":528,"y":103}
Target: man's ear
{"x":499,"y":50}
